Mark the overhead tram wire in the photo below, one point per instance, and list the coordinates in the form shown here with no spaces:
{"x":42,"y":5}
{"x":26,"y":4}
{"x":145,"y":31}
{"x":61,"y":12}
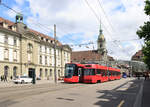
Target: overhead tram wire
{"x":41,"y":26}
{"x":45,"y":25}
{"x":9,"y":8}
{"x":97,"y":17}
{"x":105,"y":15}
{"x":110,"y":25}
{"x":103,"y":25}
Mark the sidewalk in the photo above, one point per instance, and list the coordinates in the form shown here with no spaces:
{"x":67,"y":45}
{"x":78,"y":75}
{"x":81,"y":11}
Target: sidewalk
{"x":11,"y":84}
{"x":146,"y":94}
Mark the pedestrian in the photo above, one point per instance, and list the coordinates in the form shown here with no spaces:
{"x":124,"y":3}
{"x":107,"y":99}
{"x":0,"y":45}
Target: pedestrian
{"x":1,"y":78}
{"x":147,"y":76}
{"x":138,"y":76}
{"x":5,"y":78}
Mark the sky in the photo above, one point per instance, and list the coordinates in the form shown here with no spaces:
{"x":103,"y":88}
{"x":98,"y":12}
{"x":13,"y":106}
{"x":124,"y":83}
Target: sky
{"x":78,"y":22}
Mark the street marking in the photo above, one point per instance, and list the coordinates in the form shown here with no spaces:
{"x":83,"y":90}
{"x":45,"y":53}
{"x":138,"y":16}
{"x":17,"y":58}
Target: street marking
{"x":121,"y":103}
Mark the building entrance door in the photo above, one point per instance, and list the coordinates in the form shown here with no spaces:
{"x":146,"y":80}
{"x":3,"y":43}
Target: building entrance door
{"x":31,"y":74}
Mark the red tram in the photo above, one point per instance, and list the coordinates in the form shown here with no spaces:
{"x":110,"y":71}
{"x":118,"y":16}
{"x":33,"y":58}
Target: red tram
{"x":90,"y":73}
{"x":73,"y":73}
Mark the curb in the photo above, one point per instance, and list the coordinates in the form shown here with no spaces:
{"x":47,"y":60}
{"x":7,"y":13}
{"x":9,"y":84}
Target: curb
{"x":138,"y":100}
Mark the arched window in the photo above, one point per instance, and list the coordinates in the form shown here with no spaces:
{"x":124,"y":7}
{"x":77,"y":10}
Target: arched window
{"x":45,"y":72}
{"x":15,"y":71}
{"x":50,"y":72}
{"x":40,"y":72}
{"x":6,"y":68}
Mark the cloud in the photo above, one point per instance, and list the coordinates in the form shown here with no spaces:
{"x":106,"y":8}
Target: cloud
{"x":76,"y":21}
{"x":20,"y":2}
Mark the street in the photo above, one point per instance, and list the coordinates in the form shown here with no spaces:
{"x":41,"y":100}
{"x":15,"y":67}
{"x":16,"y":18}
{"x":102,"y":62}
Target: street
{"x":119,"y":93}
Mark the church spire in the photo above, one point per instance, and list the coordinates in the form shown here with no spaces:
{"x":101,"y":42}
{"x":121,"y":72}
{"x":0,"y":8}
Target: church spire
{"x":101,"y":43}
{"x":101,"y":31}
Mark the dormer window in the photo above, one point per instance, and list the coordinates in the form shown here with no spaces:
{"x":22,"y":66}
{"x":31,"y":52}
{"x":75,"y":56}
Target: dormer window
{"x":14,"y":28}
{"x":1,"y":24}
{"x":10,"y":27}
{"x":5,"y":25}
{"x":51,"y":41}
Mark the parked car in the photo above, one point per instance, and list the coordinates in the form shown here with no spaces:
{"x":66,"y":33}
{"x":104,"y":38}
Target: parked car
{"x":61,"y":78}
{"x":22,"y":79}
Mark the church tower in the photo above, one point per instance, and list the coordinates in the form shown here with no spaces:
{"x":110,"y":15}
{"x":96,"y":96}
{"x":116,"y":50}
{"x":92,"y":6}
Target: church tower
{"x":101,"y":45}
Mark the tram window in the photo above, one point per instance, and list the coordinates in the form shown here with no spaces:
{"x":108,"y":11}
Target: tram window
{"x":79,"y":71}
{"x":89,"y":71}
{"x":98,"y":71}
{"x":103,"y":73}
{"x":109,"y":73}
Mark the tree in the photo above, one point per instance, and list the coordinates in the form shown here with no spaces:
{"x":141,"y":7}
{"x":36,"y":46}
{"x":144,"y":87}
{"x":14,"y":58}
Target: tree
{"x":144,"y":32}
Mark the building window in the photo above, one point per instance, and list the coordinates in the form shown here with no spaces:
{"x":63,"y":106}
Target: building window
{"x":15,"y":55}
{"x":6,"y":54}
{"x":59,"y":73}
{"x":30,"y":47}
{"x":15,"y":71}
{"x":50,"y":72}
{"x":6,"y":68}
{"x":40,"y":48}
{"x":40,"y":59}
{"x":45,"y":60}
{"x":15,"y":41}
{"x":29,"y":57}
{"x":40,"y":72}
{"x":50,"y":60}
{"x":45,"y":49}
{"x":6,"y":39}
{"x":50,"y":50}
{"x":45,"y":72}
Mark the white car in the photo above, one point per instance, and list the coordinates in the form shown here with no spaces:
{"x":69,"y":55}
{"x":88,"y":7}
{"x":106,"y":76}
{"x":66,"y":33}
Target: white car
{"x":22,"y":79}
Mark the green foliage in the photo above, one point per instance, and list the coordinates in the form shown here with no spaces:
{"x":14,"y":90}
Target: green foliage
{"x":146,"y":52}
{"x":144,"y":32}
{"x":147,"y":7}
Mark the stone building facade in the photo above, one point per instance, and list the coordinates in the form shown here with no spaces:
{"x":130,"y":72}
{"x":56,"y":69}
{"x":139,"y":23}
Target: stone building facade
{"x":24,"y":50}
{"x":138,"y":56}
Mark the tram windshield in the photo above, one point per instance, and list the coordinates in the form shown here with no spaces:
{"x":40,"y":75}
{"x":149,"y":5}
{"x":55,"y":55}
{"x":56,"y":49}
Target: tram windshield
{"x":69,"y":70}
{"x":89,"y":71}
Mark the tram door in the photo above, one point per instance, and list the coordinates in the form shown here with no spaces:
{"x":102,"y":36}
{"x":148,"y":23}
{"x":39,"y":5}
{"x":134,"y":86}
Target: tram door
{"x":80,"y":74}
